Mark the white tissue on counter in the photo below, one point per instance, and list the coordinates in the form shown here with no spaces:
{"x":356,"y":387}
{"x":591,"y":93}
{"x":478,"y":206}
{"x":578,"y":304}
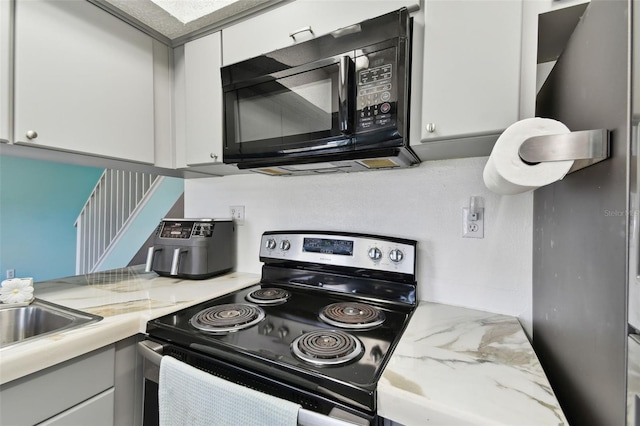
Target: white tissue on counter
{"x":16,"y":290}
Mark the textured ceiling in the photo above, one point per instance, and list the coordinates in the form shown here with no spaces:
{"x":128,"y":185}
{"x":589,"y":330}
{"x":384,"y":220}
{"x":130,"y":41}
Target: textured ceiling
{"x":187,"y":11}
{"x":185,"y":16}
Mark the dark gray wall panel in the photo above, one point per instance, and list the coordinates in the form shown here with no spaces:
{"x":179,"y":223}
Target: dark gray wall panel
{"x":580,"y":227}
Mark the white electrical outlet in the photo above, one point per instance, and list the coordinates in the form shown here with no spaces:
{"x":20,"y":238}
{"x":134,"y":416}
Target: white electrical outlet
{"x":11,"y":273}
{"x":473,"y":228}
{"x":237,"y":214}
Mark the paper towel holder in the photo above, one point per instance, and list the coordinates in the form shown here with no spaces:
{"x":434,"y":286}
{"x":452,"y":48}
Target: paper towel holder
{"x":584,"y":147}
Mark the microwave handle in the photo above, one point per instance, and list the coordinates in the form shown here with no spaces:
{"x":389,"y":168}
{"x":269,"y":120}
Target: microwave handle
{"x":345,"y":95}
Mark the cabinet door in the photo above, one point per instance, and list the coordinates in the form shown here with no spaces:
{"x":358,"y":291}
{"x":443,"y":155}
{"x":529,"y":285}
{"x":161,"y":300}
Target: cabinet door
{"x":271,"y":30}
{"x":471,"y":67}
{"x":83,"y":81}
{"x":5,"y":70}
{"x":97,"y":411}
{"x":42,"y":395}
{"x":203,"y":100}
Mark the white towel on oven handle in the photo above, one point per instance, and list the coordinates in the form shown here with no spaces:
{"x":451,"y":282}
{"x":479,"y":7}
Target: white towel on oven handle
{"x":188,"y":396}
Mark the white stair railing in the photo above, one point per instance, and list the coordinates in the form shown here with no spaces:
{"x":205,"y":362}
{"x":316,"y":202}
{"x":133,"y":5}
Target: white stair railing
{"x":112,"y":205}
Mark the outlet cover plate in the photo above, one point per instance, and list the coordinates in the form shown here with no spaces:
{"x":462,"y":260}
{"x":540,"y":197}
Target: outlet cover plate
{"x":237,"y":214}
{"x":472,"y":228}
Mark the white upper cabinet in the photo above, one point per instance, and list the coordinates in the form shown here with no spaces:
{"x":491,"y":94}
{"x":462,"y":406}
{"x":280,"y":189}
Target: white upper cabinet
{"x":471,"y":67}
{"x":83,"y":81}
{"x":203,"y":100}
{"x":164,"y":150}
{"x":5,"y":71}
{"x":299,"y":21}
{"x":198,"y":108}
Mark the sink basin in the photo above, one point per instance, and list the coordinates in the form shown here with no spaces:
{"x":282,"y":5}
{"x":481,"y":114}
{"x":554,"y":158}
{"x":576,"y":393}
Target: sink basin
{"x":39,"y":319}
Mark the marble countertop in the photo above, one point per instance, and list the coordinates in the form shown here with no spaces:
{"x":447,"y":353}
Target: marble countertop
{"x":125,"y":298}
{"x":459,"y":366}
{"x":453,"y":366}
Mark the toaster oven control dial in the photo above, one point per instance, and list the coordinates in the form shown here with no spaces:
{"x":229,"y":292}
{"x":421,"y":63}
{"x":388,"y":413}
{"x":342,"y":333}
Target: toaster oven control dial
{"x":375,"y":253}
{"x":270,"y":244}
{"x":285,"y":245}
{"x":396,"y":255}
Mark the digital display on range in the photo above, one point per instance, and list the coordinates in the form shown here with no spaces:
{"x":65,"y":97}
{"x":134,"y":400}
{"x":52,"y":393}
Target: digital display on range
{"x":328,"y":246}
{"x":176,"y":230}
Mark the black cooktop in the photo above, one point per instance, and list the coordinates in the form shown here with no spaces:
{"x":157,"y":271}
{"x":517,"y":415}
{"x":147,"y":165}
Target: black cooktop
{"x":271,"y":338}
{"x":346,"y":298}
{"x":266,"y":346}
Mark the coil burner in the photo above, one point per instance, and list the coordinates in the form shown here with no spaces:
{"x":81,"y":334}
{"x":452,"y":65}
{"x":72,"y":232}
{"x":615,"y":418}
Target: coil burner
{"x":268,"y":296}
{"x":223,"y":319}
{"x":326,"y":347}
{"x":352,"y":315}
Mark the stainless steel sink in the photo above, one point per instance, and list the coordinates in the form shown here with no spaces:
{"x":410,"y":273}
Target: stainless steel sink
{"x":39,"y":319}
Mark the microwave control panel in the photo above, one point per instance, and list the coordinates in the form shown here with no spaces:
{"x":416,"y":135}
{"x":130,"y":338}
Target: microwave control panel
{"x":376,"y":100}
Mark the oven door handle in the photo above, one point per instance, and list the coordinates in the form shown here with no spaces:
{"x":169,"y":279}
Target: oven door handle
{"x":311,"y":418}
{"x":152,"y":354}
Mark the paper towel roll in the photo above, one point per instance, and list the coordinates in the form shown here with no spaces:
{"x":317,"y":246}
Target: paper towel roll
{"x":505,"y":173}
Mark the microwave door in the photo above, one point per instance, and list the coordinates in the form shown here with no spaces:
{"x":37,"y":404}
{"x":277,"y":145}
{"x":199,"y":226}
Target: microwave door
{"x":308,"y":110}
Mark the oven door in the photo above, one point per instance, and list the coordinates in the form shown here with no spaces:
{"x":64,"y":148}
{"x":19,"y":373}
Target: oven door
{"x":290,"y":113}
{"x":152,"y":353}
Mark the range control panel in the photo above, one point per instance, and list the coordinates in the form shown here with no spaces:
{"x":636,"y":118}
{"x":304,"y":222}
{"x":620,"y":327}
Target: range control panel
{"x":351,"y":250}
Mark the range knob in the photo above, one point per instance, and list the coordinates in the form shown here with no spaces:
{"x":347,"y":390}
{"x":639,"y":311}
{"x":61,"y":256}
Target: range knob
{"x":285,"y":245}
{"x":375,"y":253}
{"x":270,"y":244}
{"x":396,"y":255}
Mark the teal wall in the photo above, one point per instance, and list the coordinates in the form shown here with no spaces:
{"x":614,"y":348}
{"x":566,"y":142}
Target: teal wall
{"x":39,"y":203}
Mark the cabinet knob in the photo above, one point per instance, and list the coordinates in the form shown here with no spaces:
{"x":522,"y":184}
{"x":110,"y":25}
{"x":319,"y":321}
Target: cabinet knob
{"x":431,"y":127}
{"x":214,"y":156}
{"x":31,"y":134}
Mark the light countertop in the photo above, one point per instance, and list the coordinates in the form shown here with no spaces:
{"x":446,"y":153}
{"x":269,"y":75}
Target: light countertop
{"x":459,"y":366}
{"x":453,"y":366}
{"x":125,"y":298}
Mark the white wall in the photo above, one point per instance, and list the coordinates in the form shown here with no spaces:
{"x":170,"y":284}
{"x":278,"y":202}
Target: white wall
{"x":423,"y":203}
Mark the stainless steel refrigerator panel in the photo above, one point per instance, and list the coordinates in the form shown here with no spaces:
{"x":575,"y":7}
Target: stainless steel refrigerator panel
{"x":633,"y":394}
{"x":634,"y":255}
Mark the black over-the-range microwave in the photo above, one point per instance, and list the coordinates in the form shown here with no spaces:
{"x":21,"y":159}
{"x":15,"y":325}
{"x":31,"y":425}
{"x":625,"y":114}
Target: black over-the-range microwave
{"x":335,"y":103}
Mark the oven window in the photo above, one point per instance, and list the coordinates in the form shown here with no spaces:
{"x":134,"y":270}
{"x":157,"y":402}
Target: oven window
{"x":301,"y":104}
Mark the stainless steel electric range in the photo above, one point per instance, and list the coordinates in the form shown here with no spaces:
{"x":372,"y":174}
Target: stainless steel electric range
{"x":317,"y":330}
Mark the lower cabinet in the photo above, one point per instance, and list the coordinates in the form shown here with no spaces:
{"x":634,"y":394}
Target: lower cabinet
{"x":97,"y":411}
{"x":57,"y":392}
{"x":101,"y":388}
